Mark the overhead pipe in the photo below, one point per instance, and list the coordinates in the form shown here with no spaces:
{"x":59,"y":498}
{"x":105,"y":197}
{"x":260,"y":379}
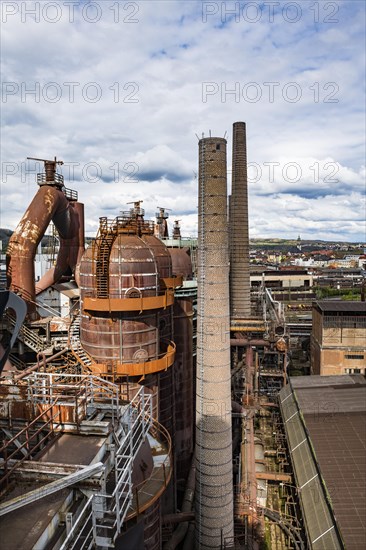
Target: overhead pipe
{"x":31,"y":369}
{"x":244,"y":342}
{"x":214,"y":474}
{"x":49,"y":203}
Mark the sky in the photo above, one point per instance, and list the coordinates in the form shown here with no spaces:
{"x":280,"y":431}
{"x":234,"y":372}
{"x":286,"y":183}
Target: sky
{"x":121,"y":92}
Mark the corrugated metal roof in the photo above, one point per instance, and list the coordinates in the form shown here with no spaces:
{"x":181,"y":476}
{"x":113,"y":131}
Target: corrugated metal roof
{"x":326,"y":417}
{"x":328,"y":306}
{"x":320,"y":525}
{"x":317,"y":380}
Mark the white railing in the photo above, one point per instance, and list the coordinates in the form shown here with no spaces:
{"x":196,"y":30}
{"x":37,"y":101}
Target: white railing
{"x":78,"y":391}
{"x":101,"y":519}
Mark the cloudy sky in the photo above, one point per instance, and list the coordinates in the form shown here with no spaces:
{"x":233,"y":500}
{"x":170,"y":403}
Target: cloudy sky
{"x":120,"y":91}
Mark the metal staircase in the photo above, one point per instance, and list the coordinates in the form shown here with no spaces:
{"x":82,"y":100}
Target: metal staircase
{"x":100,"y":521}
{"x":102,"y":261}
{"x":27,"y":336}
{"x":14,"y":360}
{"x":76,"y":348}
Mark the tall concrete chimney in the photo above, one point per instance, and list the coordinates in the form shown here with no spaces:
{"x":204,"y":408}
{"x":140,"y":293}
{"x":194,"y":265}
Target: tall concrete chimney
{"x":214,"y":485}
{"x":239,"y":233}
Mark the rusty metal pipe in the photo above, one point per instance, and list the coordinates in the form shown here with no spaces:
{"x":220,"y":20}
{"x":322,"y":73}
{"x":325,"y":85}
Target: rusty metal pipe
{"x":244,"y":342}
{"x":180,"y":517}
{"x":182,"y":528}
{"x":36,"y":366}
{"x":48,"y":204}
{"x":70,"y":251}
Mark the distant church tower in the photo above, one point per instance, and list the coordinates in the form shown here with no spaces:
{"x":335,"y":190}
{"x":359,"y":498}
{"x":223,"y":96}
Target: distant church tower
{"x":299,"y":243}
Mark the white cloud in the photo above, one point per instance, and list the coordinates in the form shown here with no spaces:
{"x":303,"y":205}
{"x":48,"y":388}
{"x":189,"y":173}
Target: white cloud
{"x":150,"y":75}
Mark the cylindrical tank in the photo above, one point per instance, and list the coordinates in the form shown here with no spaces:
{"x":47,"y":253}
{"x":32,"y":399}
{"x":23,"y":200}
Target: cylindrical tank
{"x":183,"y":372}
{"x":165,"y":379}
{"x":129,"y":262}
{"x":133,"y":272}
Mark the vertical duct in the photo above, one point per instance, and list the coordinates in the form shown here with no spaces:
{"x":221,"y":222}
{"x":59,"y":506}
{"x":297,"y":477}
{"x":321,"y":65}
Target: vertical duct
{"x":214,"y":486}
{"x":239,"y":233}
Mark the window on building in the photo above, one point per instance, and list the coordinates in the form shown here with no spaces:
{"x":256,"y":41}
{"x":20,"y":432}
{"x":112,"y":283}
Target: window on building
{"x":353,"y":356}
{"x":353,"y":371}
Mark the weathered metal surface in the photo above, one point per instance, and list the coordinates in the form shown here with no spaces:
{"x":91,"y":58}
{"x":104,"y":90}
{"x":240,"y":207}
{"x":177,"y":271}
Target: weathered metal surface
{"x":50,"y":488}
{"x":181,"y":262}
{"x":120,"y":335}
{"x":273,"y":476}
{"x":70,"y":251}
{"x":139,"y":303}
{"x":143,"y":368}
{"x":183,"y":379}
{"x":172,"y":282}
{"x":161,"y":255}
{"x":48,"y":204}
{"x":152,"y":528}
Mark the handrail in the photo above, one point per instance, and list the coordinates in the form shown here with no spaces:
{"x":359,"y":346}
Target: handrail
{"x":137,"y":419}
{"x":3,"y":449}
{"x":166,"y":465}
{"x":163,"y":300}
{"x":82,"y":388}
{"x":142,"y":368}
{"x":26,"y":428}
{"x":87,"y":512}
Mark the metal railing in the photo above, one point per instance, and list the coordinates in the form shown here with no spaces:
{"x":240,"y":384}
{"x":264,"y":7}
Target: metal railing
{"x":58,"y":179}
{"x":78,"y":391}
{"x":32,"y":440}
{"x":124,"y":223}
{"x":75,"y":345}
{"x":70,"y":194}
{"x":101,"y":519}
{"x":28,"y":336}
{"x":143,"y":497}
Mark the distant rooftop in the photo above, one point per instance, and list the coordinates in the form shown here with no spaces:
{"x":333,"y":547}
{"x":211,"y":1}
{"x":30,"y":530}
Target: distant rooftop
{"x":328,"y":306}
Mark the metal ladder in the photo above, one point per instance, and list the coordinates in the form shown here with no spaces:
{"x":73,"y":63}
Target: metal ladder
{"x":102,"y":264}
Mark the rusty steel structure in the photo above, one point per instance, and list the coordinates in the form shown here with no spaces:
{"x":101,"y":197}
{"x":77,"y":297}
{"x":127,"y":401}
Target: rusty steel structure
{"x":146,"y":415}
{"x":126,"y":296}
{"x":52,"y":202}
{"x":214,"y":484}
{"x":121,"y":339}
{"x":239,"y":227}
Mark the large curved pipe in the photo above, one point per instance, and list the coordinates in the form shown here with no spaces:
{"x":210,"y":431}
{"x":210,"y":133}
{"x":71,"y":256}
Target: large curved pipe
{"x":49,"y":203}
{"x":69,"y":254}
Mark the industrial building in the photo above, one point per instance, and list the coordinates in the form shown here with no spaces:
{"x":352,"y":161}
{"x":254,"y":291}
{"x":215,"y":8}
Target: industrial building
{"x":338,"y":338}
{"x":140,"y":380}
